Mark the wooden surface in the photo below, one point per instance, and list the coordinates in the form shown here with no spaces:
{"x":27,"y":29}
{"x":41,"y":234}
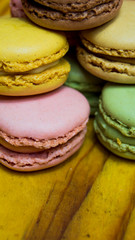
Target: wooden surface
{"x":89,"y":196}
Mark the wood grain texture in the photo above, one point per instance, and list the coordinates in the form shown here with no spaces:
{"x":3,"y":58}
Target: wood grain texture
{"x":89,"y":196}
{"x":51,"y":197}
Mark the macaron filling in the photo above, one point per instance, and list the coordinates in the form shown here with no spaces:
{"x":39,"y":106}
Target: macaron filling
{"x":33,"y":71}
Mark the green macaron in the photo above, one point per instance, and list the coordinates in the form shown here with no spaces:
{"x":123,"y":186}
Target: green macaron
{"x":81,"y":80}
{"x":115,"y":120}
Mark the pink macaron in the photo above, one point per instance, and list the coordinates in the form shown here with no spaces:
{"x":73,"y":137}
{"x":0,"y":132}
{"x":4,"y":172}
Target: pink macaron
{"x":16,"y":8}
{"x":42,"y":131}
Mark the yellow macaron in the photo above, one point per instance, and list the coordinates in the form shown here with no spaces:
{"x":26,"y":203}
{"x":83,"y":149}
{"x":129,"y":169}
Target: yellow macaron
{"x":31,"y":58}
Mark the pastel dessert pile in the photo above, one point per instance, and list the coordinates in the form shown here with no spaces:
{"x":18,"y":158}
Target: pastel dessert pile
{"x":44,"y":111}
{"x":42,"y":122}
{"x":108,"y":52}
{"x":72,"y":17}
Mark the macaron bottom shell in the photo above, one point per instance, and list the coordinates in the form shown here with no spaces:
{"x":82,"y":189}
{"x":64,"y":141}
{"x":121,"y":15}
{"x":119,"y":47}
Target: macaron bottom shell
{"x":126,"y":155}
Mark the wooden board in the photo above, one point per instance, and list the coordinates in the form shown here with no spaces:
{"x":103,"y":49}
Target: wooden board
{"x":89,"y":196}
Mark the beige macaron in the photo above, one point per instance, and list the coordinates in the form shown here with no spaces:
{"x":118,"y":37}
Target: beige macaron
{"x":108,"y":51}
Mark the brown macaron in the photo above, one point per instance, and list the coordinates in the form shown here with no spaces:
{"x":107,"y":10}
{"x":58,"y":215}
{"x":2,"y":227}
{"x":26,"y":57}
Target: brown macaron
{"x":69,"y":15}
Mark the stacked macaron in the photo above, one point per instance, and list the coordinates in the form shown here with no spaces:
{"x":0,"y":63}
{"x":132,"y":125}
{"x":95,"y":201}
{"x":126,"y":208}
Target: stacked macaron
{"x":100,"y":52}
{"x":108,"y":52}
{"x":42,"y":123}
{"x":68,"y":16}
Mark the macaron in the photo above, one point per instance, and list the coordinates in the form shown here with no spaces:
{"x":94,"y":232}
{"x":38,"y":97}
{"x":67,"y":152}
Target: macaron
{"x":31,"y":58}
{"x":108,"y":51}
{"x":81,"y":80}
{"x":69,"y":15}
{"x":115,"y":120}
{"x":41,"y":131}
{"x":16,"y":8}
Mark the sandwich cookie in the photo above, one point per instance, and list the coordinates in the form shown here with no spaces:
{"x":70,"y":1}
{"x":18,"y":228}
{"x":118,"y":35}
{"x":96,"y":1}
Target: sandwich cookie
{"x":69,"y":15}
{"x":41,"y":131}
{"x":31,"y":58}
{"x":115,"y":120}
{"x":108,"y":51}
{"x":81,"y":80}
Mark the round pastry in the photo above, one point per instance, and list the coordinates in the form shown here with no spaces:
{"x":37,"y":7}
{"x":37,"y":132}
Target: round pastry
{"x":31,"y":58}
{"x":83,"y":81}
{"x":42,"y":131}
{"x":115,"y":120}
{"x":16,"y":8}
{"x":108,"y":51}
{"x":69,"y":15}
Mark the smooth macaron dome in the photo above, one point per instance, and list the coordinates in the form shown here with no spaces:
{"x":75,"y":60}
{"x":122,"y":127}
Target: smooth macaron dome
{"x":109,"y":50}
{"x":31,"y":58}
{"x":115,"y":120}
{"x":43,"y":130}
{"x":70,"y":15}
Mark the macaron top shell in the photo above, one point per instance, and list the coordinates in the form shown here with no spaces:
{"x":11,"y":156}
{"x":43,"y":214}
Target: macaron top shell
{"x":22,"y":41}
{"x":47,"y":116}
{"x":117,"y":34}
{"x":118,"y":102}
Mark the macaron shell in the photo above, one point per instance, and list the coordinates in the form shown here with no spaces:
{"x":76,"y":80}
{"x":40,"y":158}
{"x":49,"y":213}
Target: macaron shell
{"x":118,"y":34}
{"x":47,"y":116}
{"x":23,"y":42}
{"x":31,"y":84}
{"x":118,"y":101}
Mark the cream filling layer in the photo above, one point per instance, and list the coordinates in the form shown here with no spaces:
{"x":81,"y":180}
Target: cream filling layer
{"x":33,"y":71}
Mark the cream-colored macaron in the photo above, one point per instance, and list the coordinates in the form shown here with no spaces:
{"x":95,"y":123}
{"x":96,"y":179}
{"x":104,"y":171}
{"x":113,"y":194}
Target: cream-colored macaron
{"x":31,"y":58}
{"x":109,"y":50}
